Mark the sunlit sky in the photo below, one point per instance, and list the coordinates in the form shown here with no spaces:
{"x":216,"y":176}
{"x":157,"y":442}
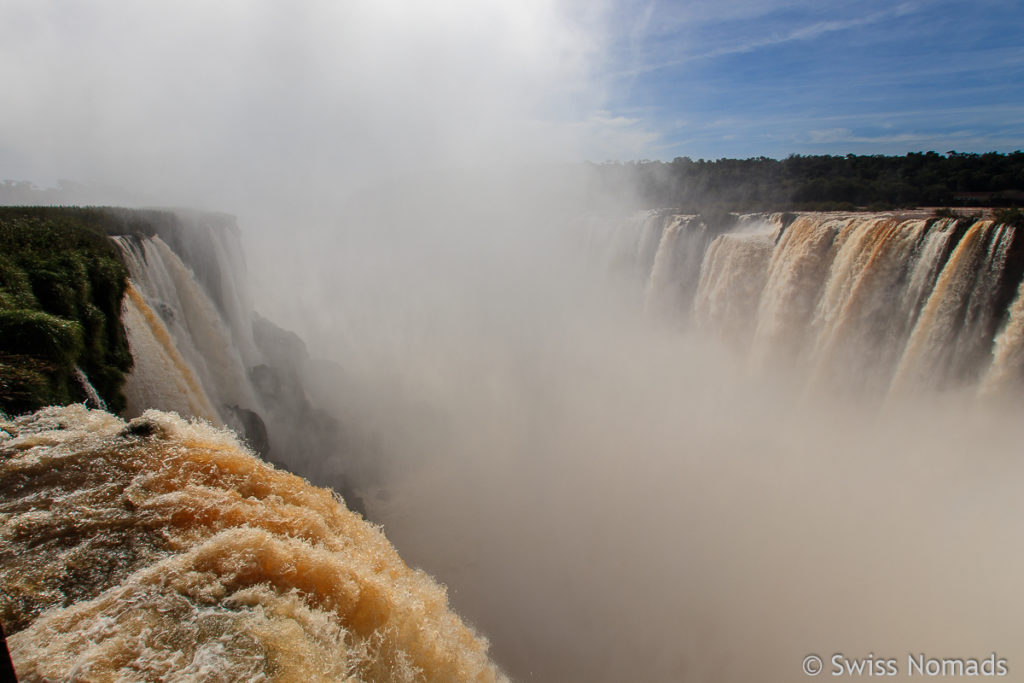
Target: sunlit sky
{"x":194,"y":99}
{"x":739,"y":78}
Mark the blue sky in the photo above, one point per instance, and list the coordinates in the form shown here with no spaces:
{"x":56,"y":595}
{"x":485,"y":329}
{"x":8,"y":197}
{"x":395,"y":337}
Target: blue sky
{"x":728,"y":78}
{"x":220,"y":102}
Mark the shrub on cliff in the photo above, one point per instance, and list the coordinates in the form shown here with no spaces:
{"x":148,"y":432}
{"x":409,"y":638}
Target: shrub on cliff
{"x":1014,"y":217}
{"x":61,"y":284}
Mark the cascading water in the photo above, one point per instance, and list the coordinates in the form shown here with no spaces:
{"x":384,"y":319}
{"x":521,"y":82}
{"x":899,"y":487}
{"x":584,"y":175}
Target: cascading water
{"x":201,"y":351}
{"x":855,"y":303}
{"x":952,"y":341}
{"x":160,"y":376}
{"x":798,"y":268}
{"x":859,"y":326}
{"x":232,"y":570}
{"x":608,"y":500}
{"x":628,"y":245}
{"x":670,"y":274}
{"x":732,"y":277}
{"x":167,"y":551}
{"x":207,"y":347}
{"x":1007,"y":369}
{"x":90,"y":391}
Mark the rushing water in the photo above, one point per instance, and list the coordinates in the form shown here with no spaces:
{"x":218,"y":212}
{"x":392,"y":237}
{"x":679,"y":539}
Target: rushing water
{"x":858,"y":303}
{"x":164,"y":550}
{"x":195,"y":348}
{"x":819,"y":453}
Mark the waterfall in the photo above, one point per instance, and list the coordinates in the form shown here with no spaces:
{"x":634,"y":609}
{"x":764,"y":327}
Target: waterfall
{"x":798,"y":269}
{"x":199,"y":333}
{"x":160,"y":376}
{"x":672,"y":271}
{"x":200,"y":350}
{"x":91,"y":394}
{"x":854,"y":303}
{"x":953,"y":336}
{"x":859,"y":324}
{"x":675,"y":273}
{"x":1007,"y":368}
{"x":734,"y":274}
{"x":629,"y":246}
{"x":211,"y":247}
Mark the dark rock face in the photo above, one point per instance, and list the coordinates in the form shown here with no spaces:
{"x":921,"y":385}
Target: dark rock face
{"x":307,"y":439}
{"x":254,"y":430}
{"x":286,"y":426}
{"x":141,"y":427}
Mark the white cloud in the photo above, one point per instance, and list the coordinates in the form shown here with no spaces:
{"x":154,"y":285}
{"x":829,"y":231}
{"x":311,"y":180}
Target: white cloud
{"x":206,"y":101}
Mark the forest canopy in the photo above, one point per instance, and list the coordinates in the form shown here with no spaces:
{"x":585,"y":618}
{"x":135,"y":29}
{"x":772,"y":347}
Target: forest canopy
{"x":822,"y":182}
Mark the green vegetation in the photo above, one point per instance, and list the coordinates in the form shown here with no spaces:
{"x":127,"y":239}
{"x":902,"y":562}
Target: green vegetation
{"x":61,"y":284}
{"x":1012,"y":216}
{"x":964,"y":216}
{"x":822,"y":182}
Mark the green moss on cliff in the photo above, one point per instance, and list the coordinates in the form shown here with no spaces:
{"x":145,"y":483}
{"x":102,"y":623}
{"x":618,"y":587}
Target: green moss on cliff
{"x":61,"y":284}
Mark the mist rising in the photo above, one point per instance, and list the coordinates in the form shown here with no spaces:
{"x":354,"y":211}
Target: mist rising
{"x":609,"y":490}
{"x":612,"y":493}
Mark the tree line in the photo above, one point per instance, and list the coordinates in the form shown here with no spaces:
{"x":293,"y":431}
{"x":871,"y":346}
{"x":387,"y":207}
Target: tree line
{"x":810,"y":183}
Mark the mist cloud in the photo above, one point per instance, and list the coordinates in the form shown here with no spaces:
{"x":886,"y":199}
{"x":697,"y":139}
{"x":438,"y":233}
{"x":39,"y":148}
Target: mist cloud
{"x":605,"y":500}
{"x":224,"y":104}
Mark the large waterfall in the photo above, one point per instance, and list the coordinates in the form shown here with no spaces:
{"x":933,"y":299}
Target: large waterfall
{"x":201,"y":351}
{"x":859,"y":303}
{"x":164,"y":548}
{"x":708,"y":448}
{"x":198,"y":364}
